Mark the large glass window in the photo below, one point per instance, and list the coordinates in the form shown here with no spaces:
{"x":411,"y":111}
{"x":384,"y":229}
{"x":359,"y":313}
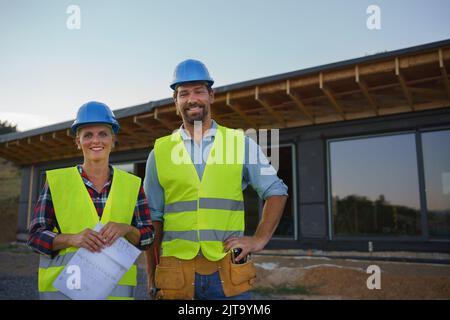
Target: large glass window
{"x":374,"y":186}
{"x":436,"y":157}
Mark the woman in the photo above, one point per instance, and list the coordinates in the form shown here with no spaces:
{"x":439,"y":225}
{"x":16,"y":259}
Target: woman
{"x":75,"y":199}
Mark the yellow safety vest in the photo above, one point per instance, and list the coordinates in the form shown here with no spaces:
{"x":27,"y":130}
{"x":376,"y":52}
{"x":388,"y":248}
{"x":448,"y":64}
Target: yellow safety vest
{"x":75,"y":212}
{"x":201,"y":214}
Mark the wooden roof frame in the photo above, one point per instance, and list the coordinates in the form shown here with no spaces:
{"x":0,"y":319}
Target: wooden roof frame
{"x":407,"y":80}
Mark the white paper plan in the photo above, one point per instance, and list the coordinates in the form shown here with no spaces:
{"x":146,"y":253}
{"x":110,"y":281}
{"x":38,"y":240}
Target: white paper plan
{"x":94,"y":275}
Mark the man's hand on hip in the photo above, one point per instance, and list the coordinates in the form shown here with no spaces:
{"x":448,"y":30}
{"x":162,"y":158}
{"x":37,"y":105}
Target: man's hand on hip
{"x":247,"y":244}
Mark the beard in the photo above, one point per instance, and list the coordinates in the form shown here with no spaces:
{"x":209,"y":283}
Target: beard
{"x":190,"y":117}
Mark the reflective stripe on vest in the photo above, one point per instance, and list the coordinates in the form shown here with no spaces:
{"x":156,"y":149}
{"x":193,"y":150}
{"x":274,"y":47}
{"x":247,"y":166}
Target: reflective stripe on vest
{"x":71,"y":199}
{"x":204,"y":203}
{"x":201,"y":214}
{"x":121,"y":292}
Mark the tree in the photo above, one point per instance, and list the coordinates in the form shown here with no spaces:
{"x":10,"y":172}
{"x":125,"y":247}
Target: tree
{"x":6,"y":127}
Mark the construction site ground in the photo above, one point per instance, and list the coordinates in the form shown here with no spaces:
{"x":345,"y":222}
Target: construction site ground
{"x":280,"y":276}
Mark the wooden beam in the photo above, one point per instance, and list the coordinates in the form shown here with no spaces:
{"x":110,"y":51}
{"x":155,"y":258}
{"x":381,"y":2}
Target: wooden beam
{"x":331,"y":98}
{"x":20,"y":151}
{"x":403,"y":85}
{"x":16,"y":154}
{"x":37,"y":146}
{"x":64,"y":141}
{"x":298,"y":102}
{"x":365,"y":90}
{"x":132,"y":134}
{"x":216,"y":116}
{"x":427,"y":91}
{"x":444,"y":73}
{"x":144,"y":126}
{"x":49,"y":143}
{"x":166,"y":123}
{"x":237,"y":109}
{"x":266,"y":106}
{"x":12,"y":156}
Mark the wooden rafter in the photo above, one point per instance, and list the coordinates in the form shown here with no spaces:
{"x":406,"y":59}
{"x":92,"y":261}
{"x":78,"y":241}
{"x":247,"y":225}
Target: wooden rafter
{"x":62,"y":140}
{"x":39,"y":146}
{"x":15,"y":157}
{"x":132,"y":134}
{"x":15,"y":149}
{"x":166,"y":123}
{"x":298,"y":102}
{"x":402,"y":81}
{"x":327,"y":91}
{"x":422,"y":93}
{"x":365,"y":90}
{"x":444,"y":73}
{"x":237,"y":109}
{"x":144,"y":126}
{"x":51,"y":143}
{"x":216,"y":116}
{"x":268,"y":108}
{"x":426,"y":91}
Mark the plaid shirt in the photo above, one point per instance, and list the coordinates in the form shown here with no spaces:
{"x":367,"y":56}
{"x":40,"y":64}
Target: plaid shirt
{"x":44,"y":220}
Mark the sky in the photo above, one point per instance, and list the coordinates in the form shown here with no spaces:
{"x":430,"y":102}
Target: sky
{"x":124,"y":52}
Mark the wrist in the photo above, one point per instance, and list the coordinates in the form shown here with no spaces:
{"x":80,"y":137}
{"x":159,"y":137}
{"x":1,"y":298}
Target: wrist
{"x":130,"y":230}
{"x":70,"y":240}
{"x":262,"y":241}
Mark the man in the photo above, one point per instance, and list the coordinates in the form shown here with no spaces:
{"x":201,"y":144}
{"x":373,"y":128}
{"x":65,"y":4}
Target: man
{"x":196,"y":200}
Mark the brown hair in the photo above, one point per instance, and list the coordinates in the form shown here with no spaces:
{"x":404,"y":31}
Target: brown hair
{"x":175,"y":92}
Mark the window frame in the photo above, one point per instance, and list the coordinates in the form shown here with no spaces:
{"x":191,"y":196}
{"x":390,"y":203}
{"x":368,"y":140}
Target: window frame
{"x":420,"y":175}
{"x":293,"y":194}
{"x":422,"y":169}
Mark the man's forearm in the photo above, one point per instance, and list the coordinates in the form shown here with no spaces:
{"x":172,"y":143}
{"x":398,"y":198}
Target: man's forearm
{"x":154,"y":248}
{"x":271,"y":215}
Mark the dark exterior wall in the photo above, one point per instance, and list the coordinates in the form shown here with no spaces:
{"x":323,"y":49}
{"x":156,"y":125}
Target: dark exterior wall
{"x":27,"y":199}
{"x":311,"y":177}
{"x":312,"y":182}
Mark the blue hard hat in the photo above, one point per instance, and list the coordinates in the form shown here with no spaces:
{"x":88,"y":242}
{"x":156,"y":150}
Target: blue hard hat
{"x":95,"y":112}
{"x":190,"y":70}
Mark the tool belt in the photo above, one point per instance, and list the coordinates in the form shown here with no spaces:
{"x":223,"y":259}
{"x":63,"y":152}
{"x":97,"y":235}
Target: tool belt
{"x":175,"y":278}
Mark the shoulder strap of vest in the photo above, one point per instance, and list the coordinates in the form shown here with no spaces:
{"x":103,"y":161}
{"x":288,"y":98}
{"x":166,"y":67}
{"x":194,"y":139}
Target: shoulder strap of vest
{"x":171,"y":137}
{"x":126,"y":175}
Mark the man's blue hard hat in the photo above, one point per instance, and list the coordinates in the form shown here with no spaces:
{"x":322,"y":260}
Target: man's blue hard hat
{"x":95,"y":112}
{"x":190,"y":70}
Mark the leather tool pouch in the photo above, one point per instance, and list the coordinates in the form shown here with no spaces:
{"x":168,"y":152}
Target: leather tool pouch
{"x":175,"y":279}
{"x":236,"y":278}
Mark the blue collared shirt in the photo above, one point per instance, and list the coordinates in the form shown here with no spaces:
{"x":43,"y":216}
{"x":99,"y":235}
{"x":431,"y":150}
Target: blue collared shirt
{"x":265,"y":185}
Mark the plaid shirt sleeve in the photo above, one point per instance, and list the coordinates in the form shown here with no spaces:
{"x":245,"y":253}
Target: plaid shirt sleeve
{"x":41,"y":233}
{"x":142,"y":221}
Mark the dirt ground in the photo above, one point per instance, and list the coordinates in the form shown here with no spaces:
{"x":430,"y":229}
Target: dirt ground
{"x":284,"y":276}
{"x":325,"y":278}
{"x":279,"y":277}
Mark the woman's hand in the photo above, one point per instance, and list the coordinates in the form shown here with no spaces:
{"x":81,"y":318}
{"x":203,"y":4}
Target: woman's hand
{"x":113,"y":231}
{"x":88,"y":239}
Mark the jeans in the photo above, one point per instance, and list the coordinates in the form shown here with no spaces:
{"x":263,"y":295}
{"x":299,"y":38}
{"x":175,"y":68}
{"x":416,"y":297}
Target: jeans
{"x":210,"y":288}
